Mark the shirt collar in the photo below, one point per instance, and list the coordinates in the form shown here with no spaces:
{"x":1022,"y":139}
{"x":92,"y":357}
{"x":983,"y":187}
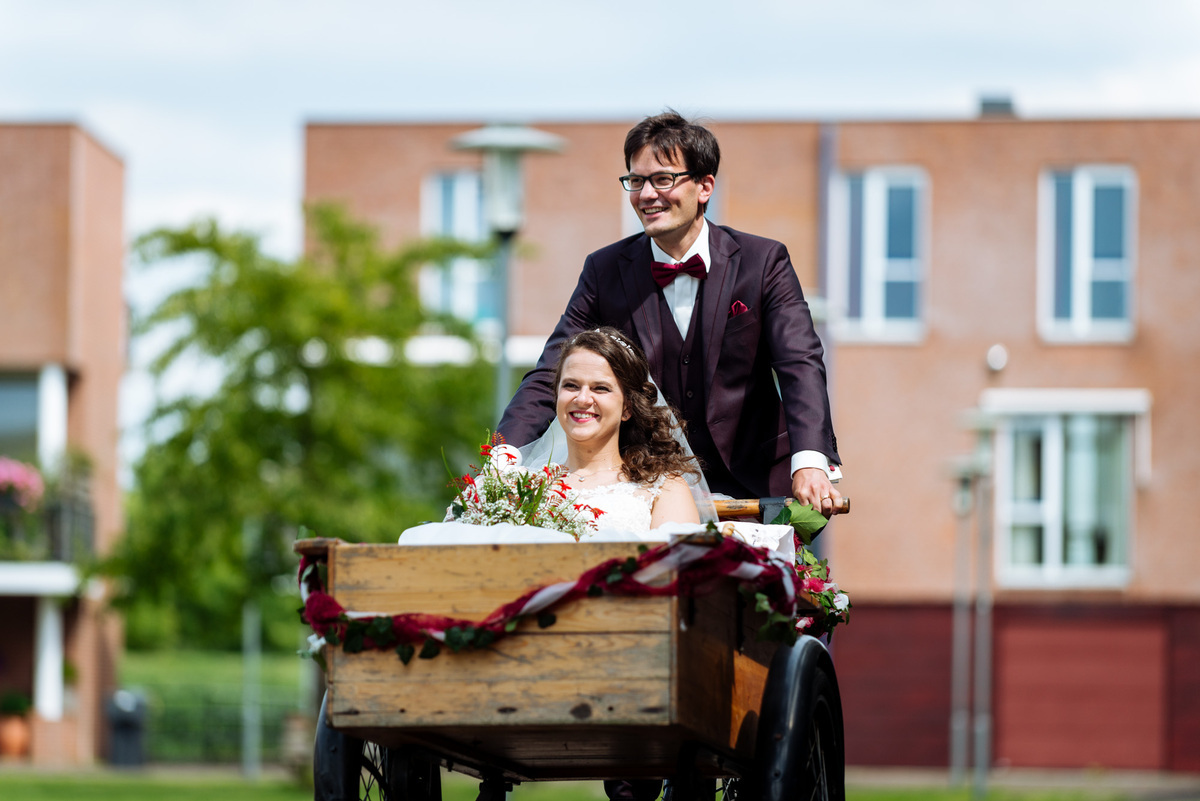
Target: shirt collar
{"x":699,"y":246}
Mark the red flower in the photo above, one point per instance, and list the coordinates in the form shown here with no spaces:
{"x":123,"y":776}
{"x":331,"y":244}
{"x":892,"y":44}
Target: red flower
{"x":321,"y":609}
{"x":812,"y":585}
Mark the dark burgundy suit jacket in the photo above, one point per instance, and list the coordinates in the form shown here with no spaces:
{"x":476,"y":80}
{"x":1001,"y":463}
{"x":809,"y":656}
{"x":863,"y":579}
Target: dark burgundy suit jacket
{"x":754,"y":432}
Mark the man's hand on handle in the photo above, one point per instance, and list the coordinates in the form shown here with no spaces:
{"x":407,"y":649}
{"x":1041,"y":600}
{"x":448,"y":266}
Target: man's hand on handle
{"x":811,"y":485}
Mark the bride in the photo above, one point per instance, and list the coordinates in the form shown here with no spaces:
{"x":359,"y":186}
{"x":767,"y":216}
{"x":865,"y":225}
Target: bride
{"x":623,"y":456}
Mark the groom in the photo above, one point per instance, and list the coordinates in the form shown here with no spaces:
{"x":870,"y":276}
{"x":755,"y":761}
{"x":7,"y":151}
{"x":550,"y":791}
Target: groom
{"x":720,"y":316}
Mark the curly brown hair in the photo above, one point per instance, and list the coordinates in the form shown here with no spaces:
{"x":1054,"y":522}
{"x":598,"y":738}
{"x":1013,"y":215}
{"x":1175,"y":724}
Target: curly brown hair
{"x":646,"y":440}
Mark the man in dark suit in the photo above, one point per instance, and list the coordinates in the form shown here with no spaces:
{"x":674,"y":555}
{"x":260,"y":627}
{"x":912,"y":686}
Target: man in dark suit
{"x":721,"y":317}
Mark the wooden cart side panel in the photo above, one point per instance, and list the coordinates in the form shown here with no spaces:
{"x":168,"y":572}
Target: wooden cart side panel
{"x":751,"y":659}
{"x":534,"y":678}
{"x":504,"y":702}
{"x":546,"y":753}
{"x":704,"y":643}
{"x":669,"y":670}
{"x":749,"y":684}
{"x":471,"y":582}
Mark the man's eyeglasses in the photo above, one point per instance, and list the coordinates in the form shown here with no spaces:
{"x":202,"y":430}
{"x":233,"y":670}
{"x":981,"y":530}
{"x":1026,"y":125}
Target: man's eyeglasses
{"x":659,"y":180}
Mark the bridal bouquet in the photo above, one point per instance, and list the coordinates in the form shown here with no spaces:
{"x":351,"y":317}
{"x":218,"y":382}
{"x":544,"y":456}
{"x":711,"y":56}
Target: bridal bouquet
{"x":503,"y":491}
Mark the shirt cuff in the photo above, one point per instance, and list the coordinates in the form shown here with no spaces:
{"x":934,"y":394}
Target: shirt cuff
{"x":817,"y":459}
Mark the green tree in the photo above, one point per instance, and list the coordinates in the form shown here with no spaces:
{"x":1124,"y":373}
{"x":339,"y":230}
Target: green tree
{"x":320,"y":426}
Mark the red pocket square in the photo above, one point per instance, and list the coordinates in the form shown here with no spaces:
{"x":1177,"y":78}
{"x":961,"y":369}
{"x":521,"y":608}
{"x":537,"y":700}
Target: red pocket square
{"x":738,"y":308}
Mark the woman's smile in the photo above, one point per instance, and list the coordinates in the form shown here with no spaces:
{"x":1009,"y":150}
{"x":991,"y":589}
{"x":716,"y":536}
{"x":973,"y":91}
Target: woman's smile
{"x":591,"y":404}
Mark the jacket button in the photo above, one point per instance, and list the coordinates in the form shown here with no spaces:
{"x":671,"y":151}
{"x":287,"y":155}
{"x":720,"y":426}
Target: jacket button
{"x":687,"y":359}
{"x":690,"y":393}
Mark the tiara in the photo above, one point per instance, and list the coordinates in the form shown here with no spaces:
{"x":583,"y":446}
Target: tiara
{"x":616,"y":339}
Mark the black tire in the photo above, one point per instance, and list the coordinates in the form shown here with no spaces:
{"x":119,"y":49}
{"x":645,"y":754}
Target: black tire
{"x":800,"y":741}
{"x":349,"y":769}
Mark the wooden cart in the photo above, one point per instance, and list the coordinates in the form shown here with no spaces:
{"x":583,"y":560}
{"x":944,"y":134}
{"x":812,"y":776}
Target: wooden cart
{"x":617,"y":688}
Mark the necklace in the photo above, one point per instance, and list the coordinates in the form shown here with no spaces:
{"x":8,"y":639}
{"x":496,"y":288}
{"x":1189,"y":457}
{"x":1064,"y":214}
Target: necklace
{"x":580,"y":477}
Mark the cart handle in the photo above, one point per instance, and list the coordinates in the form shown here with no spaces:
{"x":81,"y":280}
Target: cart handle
{"x":754,"y":507}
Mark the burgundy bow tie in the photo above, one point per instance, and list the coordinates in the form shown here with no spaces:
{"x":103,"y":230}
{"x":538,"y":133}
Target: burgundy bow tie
{"x":664,"y":273}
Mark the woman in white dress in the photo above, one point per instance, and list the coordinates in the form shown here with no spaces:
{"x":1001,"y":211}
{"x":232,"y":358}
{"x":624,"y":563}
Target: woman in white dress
{"x":622,"y":451}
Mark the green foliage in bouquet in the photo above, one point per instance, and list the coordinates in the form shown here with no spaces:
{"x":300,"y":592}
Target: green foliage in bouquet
{"x":502,"y":491}
{"x":806,"y":520}
{"x":814,"y":573}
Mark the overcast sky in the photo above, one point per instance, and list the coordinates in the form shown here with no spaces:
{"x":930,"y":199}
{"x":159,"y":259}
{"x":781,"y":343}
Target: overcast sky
{"x":206,"y":100}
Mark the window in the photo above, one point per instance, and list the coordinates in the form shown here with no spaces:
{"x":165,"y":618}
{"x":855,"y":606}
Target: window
{"x":19,"y":416}
{"x":878,"y":253}
{"x":452,"y":206}
{"x":1086,"y":273}
{"x":1065,"y":470}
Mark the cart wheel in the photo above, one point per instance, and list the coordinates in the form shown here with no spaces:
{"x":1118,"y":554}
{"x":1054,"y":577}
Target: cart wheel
{"x":349,"y":769}
{"x":800,"y":737}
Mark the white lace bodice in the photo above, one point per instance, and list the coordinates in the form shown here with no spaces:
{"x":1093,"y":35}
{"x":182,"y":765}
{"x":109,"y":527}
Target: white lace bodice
{"x":626,"y":505}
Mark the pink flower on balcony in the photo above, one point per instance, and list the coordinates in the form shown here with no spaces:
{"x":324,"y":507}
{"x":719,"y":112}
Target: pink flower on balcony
{"x":21,"y":482}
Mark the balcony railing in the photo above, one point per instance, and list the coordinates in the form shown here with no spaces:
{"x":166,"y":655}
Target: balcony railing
{"x":61,"y":531}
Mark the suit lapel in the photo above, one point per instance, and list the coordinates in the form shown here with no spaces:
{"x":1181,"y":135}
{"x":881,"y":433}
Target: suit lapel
{"x":641,"y":293}
{"x":718,"y":297}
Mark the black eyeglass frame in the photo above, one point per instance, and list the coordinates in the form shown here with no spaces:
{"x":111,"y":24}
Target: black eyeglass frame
{"x":627,"y":180}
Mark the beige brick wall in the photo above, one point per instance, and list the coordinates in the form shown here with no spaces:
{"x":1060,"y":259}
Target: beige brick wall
{"x":61,"y":302}
{"x":898,"y":405}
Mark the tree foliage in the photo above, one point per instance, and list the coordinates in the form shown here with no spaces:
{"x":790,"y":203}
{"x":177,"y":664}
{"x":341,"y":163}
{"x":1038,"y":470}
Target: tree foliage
{"x":320,"y":425}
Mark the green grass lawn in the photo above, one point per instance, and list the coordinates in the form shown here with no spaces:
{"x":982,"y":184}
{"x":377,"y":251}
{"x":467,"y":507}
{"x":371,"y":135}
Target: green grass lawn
{"x":89,"y":786}
{"x":141,"y":668}
{"x":194,"y":701}
{"x":107,"y":786}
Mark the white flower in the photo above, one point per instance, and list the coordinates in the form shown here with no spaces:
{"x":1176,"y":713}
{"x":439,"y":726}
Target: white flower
{"x":316,"y":642}
{"x":505,"y":457}
{"x":841,"y":601}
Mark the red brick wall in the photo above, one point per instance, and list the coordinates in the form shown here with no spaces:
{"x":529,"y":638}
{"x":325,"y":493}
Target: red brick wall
{"x":893,"y":669}
{"x":1080,"y":686}
{"x":1183,"y":699}
{"x":1074,"y":685}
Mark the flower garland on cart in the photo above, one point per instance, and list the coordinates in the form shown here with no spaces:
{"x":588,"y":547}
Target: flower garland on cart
{"x":501,"y":491}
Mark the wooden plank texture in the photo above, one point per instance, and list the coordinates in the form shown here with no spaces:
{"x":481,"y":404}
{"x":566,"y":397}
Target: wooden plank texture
{"x":523,"y":657}
{"x":703,"y":666}
{"x":502,"y":702}
{"x":472,"y":581}
{"x":617,"y":684}
{"x":527,"y":753}
{"x":524,"y":679}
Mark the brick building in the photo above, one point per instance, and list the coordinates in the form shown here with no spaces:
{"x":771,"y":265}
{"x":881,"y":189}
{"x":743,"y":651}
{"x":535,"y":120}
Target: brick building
{"x":62,"y":354}
{"x":1036,"y":277}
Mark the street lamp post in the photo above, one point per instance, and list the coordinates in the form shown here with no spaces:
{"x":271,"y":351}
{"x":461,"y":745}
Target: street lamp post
{"x":502,"y":147}
{"x":973,"y":474}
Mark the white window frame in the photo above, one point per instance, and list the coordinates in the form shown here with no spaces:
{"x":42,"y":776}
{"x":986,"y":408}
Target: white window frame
{"x":1004,"y":407}
{"x":463,"y":275}
{"x":1081,"y":327}
{"x":872,"y":326}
